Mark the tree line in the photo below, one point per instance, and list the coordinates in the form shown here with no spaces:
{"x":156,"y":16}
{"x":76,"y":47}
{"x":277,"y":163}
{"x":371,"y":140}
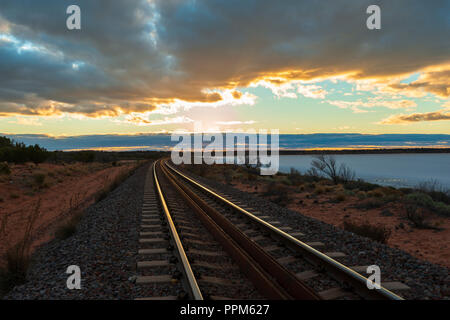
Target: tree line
{"x":18,"y":152}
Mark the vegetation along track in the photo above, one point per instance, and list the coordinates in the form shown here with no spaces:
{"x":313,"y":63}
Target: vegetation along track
{"x":275,"y":263}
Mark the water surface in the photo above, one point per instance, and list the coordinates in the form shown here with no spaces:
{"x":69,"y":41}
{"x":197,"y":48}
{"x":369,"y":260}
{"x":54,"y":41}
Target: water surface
{"x":397,"y":170}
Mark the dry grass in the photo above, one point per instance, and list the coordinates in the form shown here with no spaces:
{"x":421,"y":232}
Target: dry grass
{"x":18,"y":257}
{"x":340,"y":197}
{"x":365,"y":229}
{"x":319,"y":189}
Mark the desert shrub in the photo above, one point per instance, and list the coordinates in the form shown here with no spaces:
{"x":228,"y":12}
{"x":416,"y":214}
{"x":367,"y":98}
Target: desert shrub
{"x":442,"y":208}
{"x":360,"y":185}
{"x":361,"y":195}
{"x":18,"y":257}
{"x":435,"y":190}
{"x":4,"y":168}
{"x":370,"y":203}
{"x":319,"y":189}
{"x":420,"y":199}
{"x":295,"y":177}
{"x":228,"y":175}
{"x":365,"y":229}
{"x":14,"y":273}
{"x":377,"y":193}
{"x":251,"y":177}
{"x":426,"y":201}
{"x":69,"y":228}
{"x":416,"y":216}
{"x":327,"y":166}
{"x":406,"y":190}
{"x":39,"y":179}
{"x":339,"y":197}
{"x":349,"y":193}
{"x":279,"y":191}
{"x":440,"y":196}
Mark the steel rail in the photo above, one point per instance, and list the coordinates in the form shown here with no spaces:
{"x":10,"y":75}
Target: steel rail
{"x":193,"y":287}
{"x":248,"y":266}
{"x":335,"y":268}
{"x":274,"y":273}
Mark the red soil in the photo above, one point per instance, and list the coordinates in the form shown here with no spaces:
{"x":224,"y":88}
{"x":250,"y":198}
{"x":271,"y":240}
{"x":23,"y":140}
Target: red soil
{"x":69,"y":188}
{"x":426,"y":244}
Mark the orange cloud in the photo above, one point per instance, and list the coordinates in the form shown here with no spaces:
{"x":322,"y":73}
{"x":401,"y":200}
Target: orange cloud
{"x":417,"y":117}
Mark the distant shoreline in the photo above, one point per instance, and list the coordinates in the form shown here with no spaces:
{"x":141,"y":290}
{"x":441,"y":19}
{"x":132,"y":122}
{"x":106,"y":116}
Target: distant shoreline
{"x":365,"y":151}
{"x":297,"y":151}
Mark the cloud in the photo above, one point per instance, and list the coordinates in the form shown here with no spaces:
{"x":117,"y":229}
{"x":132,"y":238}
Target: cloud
{"x":26,"y":121}
{"x":234,"y":123}
{"x":436,"y":82}
{"x":142,"y":121}
{"x":371,"y":103}
{"x":417,"y":117}
{"x":167,"y":55}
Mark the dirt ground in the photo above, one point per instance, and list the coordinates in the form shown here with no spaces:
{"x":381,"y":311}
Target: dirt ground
{"x":52,"y":192}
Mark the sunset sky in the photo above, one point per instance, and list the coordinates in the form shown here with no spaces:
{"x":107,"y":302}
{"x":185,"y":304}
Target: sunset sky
{"x":143,"y":66}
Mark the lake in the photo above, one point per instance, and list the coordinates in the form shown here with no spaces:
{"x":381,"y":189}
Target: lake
{"x":397,"y":170}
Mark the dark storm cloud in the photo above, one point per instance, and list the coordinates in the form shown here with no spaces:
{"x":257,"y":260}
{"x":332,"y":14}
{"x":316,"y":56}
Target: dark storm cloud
{"x":136,"y":54}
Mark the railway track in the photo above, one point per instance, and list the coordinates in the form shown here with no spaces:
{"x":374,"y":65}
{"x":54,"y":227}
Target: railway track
{"x":187,"y":229}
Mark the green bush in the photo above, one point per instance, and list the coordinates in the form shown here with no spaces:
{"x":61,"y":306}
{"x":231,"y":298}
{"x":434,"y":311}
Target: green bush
{"x":420,"y":199}
{"x":442,"y":209}
{"x":426,"y":201}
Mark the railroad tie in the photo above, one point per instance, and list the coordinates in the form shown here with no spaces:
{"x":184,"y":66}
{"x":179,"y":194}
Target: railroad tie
{"x":258,"y":238}
{"x":153,"y":263}
{"x":286,"y":260}
{"x":152,"y":251}
{"x":206,"y":253}
{"x":215,"y":266}
{"x":152,"y":240}
{"x":305,"y":275}
{"x":153,"y":279}
{"x":217,"y":281}
{"x":335,"y":254}
{"x":395,"y":286}
{"x":334,"y":293}
{"x":297,"y":234}
{"x":150,"y":233}
{"x":158,"y":298}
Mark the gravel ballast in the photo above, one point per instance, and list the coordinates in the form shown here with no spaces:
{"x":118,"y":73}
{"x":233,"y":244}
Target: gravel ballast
{"x":104,"y":247}
{"x":426,"y":280}
{"x":106,"y":243}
